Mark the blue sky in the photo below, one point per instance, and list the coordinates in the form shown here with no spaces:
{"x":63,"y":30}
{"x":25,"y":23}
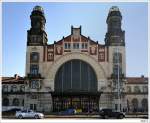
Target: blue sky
{"x":60,"y":17}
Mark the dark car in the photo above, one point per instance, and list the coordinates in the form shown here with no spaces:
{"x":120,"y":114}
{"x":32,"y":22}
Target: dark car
{"x":106,"y":113}
{"x":11,"y":111}
{"x":67,"y":112}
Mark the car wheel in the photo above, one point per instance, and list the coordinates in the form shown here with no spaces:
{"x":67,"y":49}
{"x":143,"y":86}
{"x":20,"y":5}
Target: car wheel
{"x":20,"y":116}
{"x":36,"y":117}
{"x":121,"y":116}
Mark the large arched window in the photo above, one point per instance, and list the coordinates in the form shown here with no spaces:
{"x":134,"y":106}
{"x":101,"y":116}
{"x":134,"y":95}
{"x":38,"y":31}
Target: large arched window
{"x":15,"y":102}
{"x":75,"y":76}
{"x":135,"y":104}
{"x":144,"y":103}
{"x":5,"y":102}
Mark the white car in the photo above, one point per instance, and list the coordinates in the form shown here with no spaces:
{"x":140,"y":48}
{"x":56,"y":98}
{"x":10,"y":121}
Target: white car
{"x":29,"y":114}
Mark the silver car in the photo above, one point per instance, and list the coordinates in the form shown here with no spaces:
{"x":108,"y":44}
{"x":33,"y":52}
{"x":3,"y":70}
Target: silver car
{"x":29,"y":114}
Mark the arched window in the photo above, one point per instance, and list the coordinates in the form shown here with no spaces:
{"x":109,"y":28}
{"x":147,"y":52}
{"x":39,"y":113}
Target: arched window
{"x":13,"y":88}
{"x":5,"y":88}
{"x":22,"y":88}
{"x":144,"y":103}
{"x":137,"y":89}
{"x":75,"y":76}
{"x":15,"y":102}
{"x":34,"y":57}
{"x":129,"y":89}
{"x":135,"y":105}
{"x":5,"y":102}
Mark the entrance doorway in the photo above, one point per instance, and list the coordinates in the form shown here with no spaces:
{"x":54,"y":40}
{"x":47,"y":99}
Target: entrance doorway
{"x":85,"y":102}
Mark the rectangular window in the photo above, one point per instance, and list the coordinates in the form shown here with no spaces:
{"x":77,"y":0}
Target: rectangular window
{"x":35,"y":84}
{"x":67,"y":46}
{"x":116,"y":107}
{"x":31,"y":106}
{"x":76,"y":46}
{"x":34,"y":70}
{"x":84,"y":45}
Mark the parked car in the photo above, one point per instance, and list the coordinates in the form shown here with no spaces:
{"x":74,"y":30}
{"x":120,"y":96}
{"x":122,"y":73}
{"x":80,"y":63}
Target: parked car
{"x":106,"y":113}
{"x":11,"y":111}
{"x":68,"y":111}
{"x":29,"y":114}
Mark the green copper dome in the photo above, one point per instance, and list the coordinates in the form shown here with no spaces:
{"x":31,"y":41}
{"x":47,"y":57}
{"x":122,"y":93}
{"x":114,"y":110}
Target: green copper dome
{"x":113,"y":8}
{"x":38,"y":8}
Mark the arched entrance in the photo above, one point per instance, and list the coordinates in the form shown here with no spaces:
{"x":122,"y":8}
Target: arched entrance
{"x":76,"y":86}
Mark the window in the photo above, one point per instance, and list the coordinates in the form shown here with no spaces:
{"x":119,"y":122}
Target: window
{"x":116,"y":107}
{"x":117,"y":57}
{"x":33,"y":107}
{"x":34,"y":57}
{"x":5,"y":102}
{"x":22,"y":88}
{"x":23,"y":102}
{"x":67,"y":46}
{"x":101,"y":56}
{"x":145,"y":89}
{"x":135,"y":104}
{"x":5,"y":88}
{"x":14,"y":88}
{"x":35,"y":84}
{"x":144,"y":104}
{"x":34,"y":69}
{"x":76,"y":46}
{"x":15,"y":102}
{"x":115,"y":70}
{"x":137,"y":89}
{"x":128,"y":89}
{"x":84,"y":45}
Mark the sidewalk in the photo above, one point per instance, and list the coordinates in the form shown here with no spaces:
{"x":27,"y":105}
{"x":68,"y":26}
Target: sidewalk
{"x":80,"y":116}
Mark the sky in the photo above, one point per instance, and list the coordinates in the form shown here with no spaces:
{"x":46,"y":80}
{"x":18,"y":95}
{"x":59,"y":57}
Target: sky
{"x":60,"y":17}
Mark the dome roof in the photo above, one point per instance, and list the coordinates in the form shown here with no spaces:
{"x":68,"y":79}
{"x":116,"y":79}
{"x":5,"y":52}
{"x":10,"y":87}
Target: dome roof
{"x":38,"y":8}
{"x":113,"y":8}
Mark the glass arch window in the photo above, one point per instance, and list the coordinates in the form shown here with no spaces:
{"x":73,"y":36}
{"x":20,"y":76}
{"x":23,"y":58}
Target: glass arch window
{"x":75,"y":76}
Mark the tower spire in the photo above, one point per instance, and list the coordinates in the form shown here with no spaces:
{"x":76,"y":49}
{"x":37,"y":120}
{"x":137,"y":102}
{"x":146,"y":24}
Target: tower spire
{"x":115,"y":34}
{"x":37,"y":34}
